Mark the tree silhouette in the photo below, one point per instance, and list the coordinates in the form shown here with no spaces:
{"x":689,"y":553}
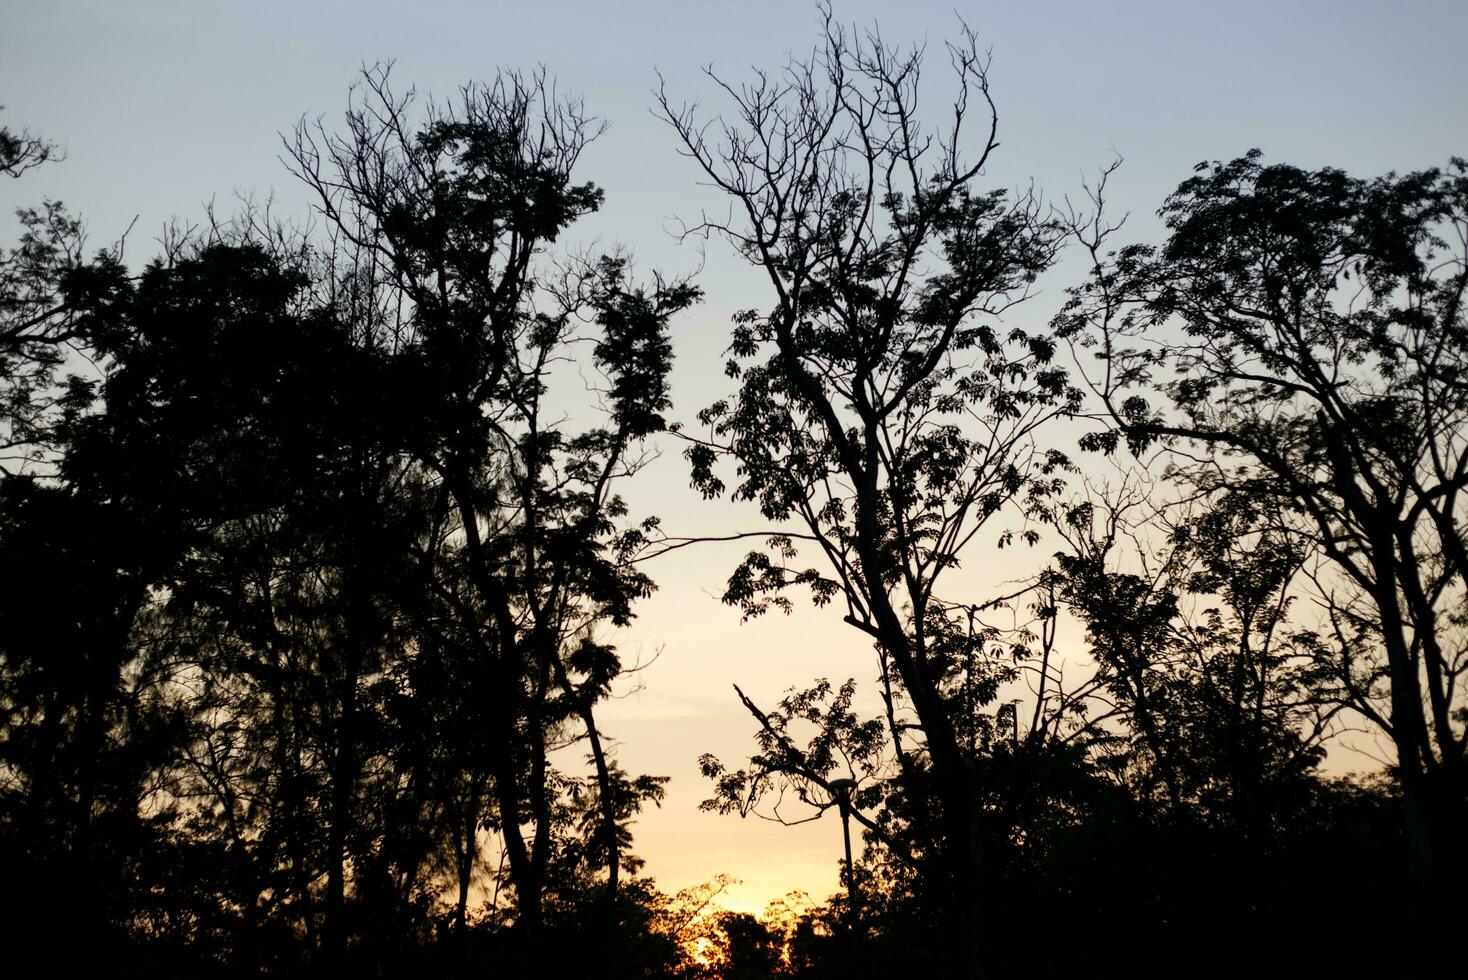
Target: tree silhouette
{"x":881,"y":406}
{"x":46,"y":281}
{"x":1315,"y":321}
{"x":525,"y":556}
{"x":76,"y":742}
{"x":358,"y":569}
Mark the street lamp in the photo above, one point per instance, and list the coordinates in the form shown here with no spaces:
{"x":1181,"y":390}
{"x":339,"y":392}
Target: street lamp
{"x":842,"y":789}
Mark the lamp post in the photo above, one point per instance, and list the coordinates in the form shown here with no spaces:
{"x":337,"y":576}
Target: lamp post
{"x":841,"y":789}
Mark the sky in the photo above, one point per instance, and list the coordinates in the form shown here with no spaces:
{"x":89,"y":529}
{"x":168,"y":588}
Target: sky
{"x":164,"y":105}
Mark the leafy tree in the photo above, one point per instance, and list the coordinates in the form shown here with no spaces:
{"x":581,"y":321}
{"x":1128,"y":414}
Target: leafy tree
{"x":77,"y":738}
{"x":233,"y":430}
{"x":77,"y":743}
{"x":1304,"y":329}
{"x":524,"y":557}
{"x":46,"y":282}
{"x":360,"y":567}
{"x":1225,"y":703}
{"x":882,"y":408}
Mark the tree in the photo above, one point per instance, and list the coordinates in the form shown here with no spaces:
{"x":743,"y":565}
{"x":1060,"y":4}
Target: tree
{"x":523,"y":556}
{"x":45,"y":281}
{"x":240,"y":427}
{"x":34,"y":335}
{"x":1225,"y":702}
{"x":21,"y":151}
{"x":350,"y":596}
{"x":77,"y":738}
{"x":1306,"y":331}
{"x":881,"y":408}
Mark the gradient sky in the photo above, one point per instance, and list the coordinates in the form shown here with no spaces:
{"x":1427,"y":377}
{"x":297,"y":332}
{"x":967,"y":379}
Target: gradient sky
{"x":163,"y":105}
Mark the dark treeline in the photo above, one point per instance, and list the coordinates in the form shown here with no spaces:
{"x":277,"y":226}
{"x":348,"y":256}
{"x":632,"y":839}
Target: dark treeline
{"x":315,"y":550}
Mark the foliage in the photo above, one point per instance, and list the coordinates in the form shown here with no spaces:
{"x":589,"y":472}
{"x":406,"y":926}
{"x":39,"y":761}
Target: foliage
{"x":1304,"y":330}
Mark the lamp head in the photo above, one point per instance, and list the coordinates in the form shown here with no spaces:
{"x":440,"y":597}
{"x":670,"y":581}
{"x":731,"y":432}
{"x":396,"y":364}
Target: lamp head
{"x":842,"y":789}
